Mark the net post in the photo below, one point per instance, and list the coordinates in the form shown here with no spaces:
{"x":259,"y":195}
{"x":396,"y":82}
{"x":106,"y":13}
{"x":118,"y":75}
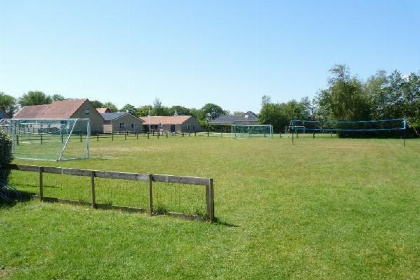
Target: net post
{"x":41,"y":183}
{"x":405,"y":130}
{"x":92,"y":183}
{"x":88,"y":132}
{"x":210,"y":200}
{"x":150,"y":195}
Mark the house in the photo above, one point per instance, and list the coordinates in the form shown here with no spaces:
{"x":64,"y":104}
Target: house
{"x":121,"y":122}
{"x":178,"y":124}
{"x":65,"y":109}
{"x":248,"y":118}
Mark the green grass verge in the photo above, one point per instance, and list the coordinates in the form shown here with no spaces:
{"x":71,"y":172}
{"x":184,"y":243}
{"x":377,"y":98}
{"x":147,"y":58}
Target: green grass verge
{"x":318,"y":209}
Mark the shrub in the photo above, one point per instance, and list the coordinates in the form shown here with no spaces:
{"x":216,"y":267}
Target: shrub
{"x":6,"y":155}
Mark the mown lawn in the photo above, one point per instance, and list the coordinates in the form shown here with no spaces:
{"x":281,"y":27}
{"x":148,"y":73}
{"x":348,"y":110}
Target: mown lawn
{"x":322,"y":208}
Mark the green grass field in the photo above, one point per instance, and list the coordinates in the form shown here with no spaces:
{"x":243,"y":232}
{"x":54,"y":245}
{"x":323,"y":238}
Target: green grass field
{"x":323,"y":208}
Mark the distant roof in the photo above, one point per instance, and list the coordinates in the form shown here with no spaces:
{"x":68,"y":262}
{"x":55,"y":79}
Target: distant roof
{"x":63,"y":109}
{"x":114,"y":116}
{"x":248,"y":117}
{"x":103,"y":110}
{"x":30,"y":112}
{"x":157,"y":120}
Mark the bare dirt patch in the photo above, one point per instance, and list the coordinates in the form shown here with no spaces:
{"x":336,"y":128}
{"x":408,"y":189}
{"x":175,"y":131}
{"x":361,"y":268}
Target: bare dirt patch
{"x":4,"y":272}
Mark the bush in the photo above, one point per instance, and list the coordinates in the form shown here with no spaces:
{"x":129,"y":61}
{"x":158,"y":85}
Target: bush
{"x":6,"y":155}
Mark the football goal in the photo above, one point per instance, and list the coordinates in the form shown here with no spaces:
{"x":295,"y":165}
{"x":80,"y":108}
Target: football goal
{"x":247,"y":131}
{"x":50,"y":139}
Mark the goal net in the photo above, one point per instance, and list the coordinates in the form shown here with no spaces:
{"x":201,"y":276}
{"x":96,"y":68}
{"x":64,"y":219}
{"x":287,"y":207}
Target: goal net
{"x":50,"y":139}
{"x":247,"y":131}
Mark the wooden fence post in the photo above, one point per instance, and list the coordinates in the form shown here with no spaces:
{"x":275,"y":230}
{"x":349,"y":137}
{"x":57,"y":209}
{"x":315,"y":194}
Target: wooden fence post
{"x":150,"y":195}
{"x":92,"y":182}
{"x":210,"y":200}
{"x":41,"y":183}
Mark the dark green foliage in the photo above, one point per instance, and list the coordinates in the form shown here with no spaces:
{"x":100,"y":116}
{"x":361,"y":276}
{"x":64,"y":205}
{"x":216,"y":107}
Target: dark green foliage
{"x":345,"y":98}
{"x":129,"y":109}
{"x":279,"y":115}
{"x":6,"y":155}
{"x":382,"y":96}
{"x":8,"y":104}
{"x":35,"y":98}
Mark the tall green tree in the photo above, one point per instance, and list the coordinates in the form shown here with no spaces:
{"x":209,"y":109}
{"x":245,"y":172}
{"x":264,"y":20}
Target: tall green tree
{"x":411,"y":98}
{"x":345,"y":98}
{"x":211,"y":111}
{"x":130,"y":109}
{"x":274,"y":114}
{"x":8,"y":104}
{"x":157,"y":107}
{"x":97,"y":104}
{"x":378,"y":98}
{"x":110,"y":106}
{"x":279,"y":115}
{"x":144,"y":110}
{"x":58,"y":97}
{"x":34,"y":98}
{"x":179,"y":110}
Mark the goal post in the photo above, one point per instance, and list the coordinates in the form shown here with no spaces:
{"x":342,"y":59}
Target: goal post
{"x":50,"y":139}
{"x":247,"y":131}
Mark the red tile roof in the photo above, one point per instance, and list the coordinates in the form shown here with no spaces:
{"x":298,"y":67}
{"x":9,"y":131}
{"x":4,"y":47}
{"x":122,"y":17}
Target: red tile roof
{"x":31,"y":112}
{"x":57,"y":110}
{"x":171,"y":120}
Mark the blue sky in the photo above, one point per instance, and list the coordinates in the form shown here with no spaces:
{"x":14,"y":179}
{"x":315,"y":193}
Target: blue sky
{"x":193,"y":52}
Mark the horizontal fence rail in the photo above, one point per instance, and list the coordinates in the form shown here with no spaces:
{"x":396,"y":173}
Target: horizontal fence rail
{"x":150,"y":178}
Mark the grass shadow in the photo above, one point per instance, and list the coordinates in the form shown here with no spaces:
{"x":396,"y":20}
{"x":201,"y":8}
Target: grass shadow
{"x":217,"y":221}
{"x":10,"y":197}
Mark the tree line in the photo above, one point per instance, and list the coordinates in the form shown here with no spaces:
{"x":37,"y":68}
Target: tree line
{"x":347,"y":98}
{"x":381,"y":96}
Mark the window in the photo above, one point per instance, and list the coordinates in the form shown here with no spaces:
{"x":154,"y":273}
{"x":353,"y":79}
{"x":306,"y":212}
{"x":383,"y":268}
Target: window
{"x":122,"y":125}
{"x":87,"y":111}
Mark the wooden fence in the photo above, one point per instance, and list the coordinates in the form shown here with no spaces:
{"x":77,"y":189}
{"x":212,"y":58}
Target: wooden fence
{"x":150,"y":178}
